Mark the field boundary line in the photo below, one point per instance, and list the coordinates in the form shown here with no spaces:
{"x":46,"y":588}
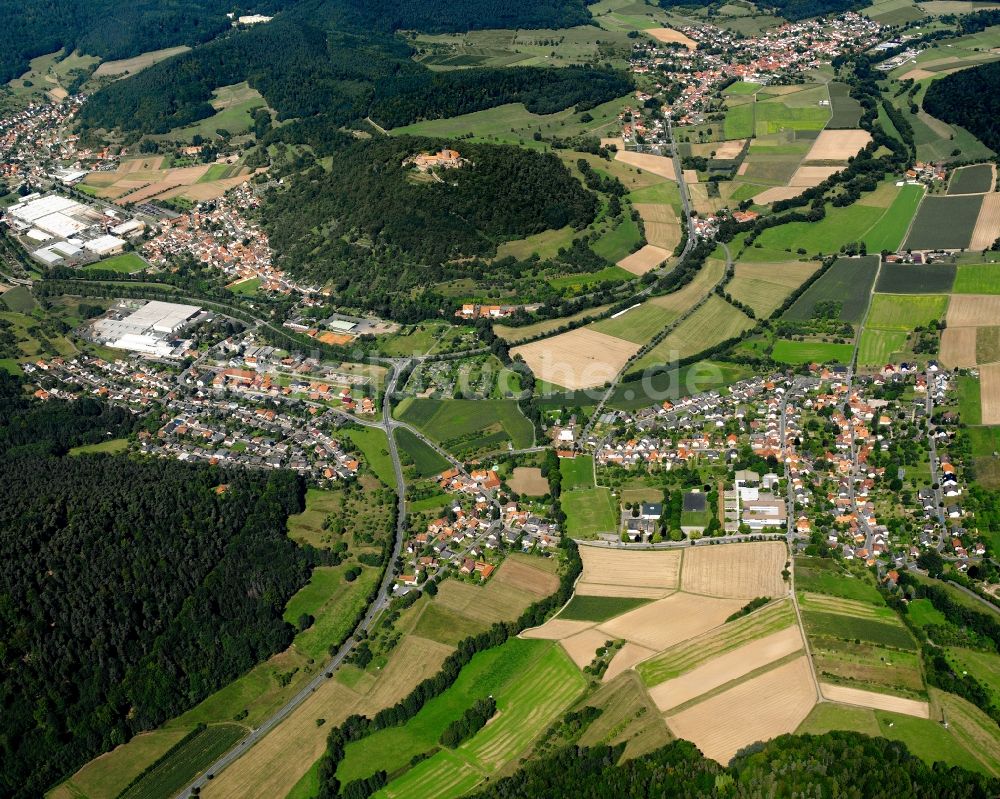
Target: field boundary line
{"x":861,"y":326}
{"x":913,"y":218}
{"x":802,"y":627}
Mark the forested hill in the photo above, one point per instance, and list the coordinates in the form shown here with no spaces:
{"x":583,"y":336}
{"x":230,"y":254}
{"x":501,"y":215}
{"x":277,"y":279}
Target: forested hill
{"x":830,"y":766}
{"x":370,"y":225}
{"x":318,"y":57}
{"x":447,"y":16}
{"x":791,"y":9}
{"x":130,"y":589}
{"x":109,"y":28}
{"x":969,"y":98}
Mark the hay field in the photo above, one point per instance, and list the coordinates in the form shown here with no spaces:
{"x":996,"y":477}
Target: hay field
{"x":627,"y":657}
{"x":669,"y":35}
{"x":669,"y":621}
{"x":583,"y":646}
{"x":663,"y":228}
{"x":702,"y":283}
{"x":989,"y":380}
{"x":502,"y":598}
{"x":776,"y":193}
{"x":515,"y":334}
{"x":774,"y":703}
{"x":712,"y":323}
{"x":617,"y":572}
{"x":657,"y":164}
{"x":728,"y":150}
{"x":838,"y":145}
{"x":528,"y":480}
{"x":987,"y":228}
{"x":130,"y":66}
{"x":742,"y":571}
{"x":765,"y":286}
{"x":689,"y":655}
{"x":726,"y":668}
{"x":973,"y":310}
{"x":958,"y":347}
{"x":581,"y":358}
{"x":855,"y":696}
{"x":644,"y":259}
{"x":517,"y":574}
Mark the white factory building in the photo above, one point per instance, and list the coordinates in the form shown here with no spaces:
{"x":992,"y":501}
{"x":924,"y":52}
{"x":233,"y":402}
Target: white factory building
{"x":151,"y":329}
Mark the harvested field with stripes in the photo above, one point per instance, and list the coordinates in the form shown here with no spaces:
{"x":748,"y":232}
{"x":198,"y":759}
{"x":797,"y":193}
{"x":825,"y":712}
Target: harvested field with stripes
{"x":958,"y":347}
{"x":849,"y":607}
{"x":669,"y":621}
{"x":656,"y":164}
{"x":855,"y":696}
{"x":742,"y":571}
{"x":769,"y":705}
{"x":712,"y":323}
{"x":838,"y":145}
{"x":644,"y":259}
{"x":616,"y":572}
{"x":989,"y":378}
{"x":764,"y":287}
{"x":627,"y":657}
{"x":581,"y":358}
{"x":681,"y":300}
{"x":973,"y":310}
{"x":728,"y":667}
{"x":663,"y":228}
{"x":987,"y":228}
{"x":689,"y":655}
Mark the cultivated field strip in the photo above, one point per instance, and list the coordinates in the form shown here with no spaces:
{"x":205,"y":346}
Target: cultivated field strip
{"x":557,"y":629}
{"x":989,"y":378}
{"x":987,"y":228}
{"x":766,"y":706}
{"x":958,"y":347}
{"x":726,"y":668}
{"x":876,"y":701}
{"x":657,"y":164}
{"x":669,"y":621}
{"x":615,"y":572}
{"x":741,"y":571}
{"x":847,"y":607}
{"x":627,"y":657}
{"x":644,"y":259}
{"x":445,"y":775}
{"x":581,"y":358}
{"x":692,"y":653}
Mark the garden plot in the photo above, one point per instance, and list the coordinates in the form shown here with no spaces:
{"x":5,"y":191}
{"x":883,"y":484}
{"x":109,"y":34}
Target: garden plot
{"x":669,"y":621}
{"x":644,"y":259}
{"x":726,"y":668}
{"x":769,"y":705}
{"x":876,"y":701}
{"x":838,"y":145}
{"x":742,"y":571}
{"x":580,"y":358}
{"x":616,"y":572}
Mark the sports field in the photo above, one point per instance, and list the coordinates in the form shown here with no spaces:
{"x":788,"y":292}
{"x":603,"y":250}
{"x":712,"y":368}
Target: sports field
{"x":944,"y":223}
{"x":468,"y":426}
{"x":797,"y":352}
{"x":848,"y":281}
{"x":577,"y":472}
{"x":126,"y":263}
{"x":906,"y":311}
{"x":588,"y":512}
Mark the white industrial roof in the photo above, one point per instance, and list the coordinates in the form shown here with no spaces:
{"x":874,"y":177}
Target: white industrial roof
{"x":65,"y":248}
{"x":58,"y":224}
{"x":36,"y":209}
{"x":342,"y":325}
{"x":135,"y":342}
{"x":38,"y":235}
{"x":103,"y":244}
{"x":47,"y":256}
{"x":163,"y":317}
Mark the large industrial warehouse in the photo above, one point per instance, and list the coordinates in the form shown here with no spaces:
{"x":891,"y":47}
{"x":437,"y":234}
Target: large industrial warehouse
{"x":151,"y":329}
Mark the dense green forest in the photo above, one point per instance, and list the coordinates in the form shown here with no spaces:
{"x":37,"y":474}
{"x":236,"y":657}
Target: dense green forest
{"x":969,"y":98}
{"x":130,"y":589}
{"x":791,"y":9}
{"x":370,"y":224}
{"x":447,"y":16}
{"x":830,"y":766}
{"x":109,"y":28}
{"x":317,"y":59}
